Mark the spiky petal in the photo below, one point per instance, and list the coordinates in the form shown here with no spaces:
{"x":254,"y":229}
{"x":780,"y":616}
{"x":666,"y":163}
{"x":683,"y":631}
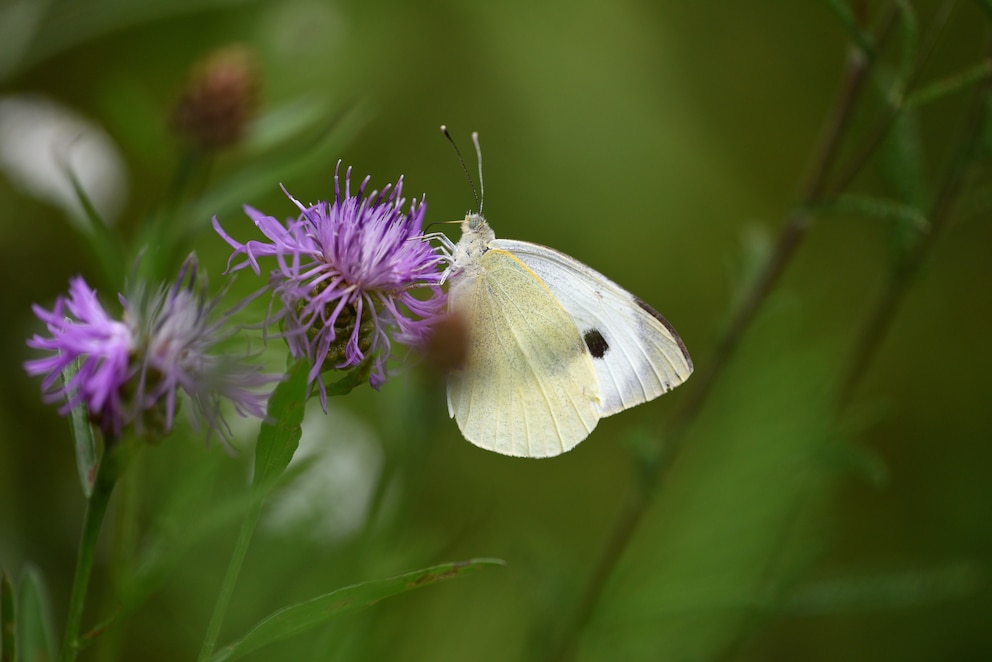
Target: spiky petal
{"x":353,"y":276}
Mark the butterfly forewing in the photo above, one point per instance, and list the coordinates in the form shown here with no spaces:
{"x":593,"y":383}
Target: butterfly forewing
{"x":529,"y":386}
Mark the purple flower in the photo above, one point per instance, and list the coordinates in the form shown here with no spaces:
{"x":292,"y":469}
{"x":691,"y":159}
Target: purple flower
{"x":82,"y":330}
{"x":353,"y":276}
{"x":131,"y":371}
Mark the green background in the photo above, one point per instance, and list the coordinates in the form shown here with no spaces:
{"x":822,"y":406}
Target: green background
{"x":662,"y":143}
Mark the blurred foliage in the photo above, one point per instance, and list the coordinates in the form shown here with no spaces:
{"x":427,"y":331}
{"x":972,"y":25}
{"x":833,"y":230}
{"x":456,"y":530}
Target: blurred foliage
{"x":662,"y":143}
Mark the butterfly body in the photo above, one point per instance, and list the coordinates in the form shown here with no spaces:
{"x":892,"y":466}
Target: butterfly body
{"x":553,"y":346}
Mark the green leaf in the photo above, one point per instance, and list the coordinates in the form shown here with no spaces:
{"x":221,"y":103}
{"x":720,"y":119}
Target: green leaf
{"x":910,"y":26}
{"x":284,"y":123}
{"x":354,"y":377}
{"x":104,"y":243}
{"x":863,"y":462}
{"x":280,"y":433}
{"x":888,"y":210}
{"x":87,"y":461}
{"x":891,"y":590}
{"x":35,"y":634}
{"x":8,"y":620}
{"x":850,"y":22}
{"x":288,"y":163}
{"x":756,"y":249}
{"x":903,"y":162}
{"x":279,"y":436}
{"x":66,"y":27}
{"x":304,"y":616}
{"x":950,"y":85}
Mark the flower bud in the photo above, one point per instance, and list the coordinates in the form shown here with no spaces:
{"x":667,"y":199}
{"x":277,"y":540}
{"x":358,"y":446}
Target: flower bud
{"x":218,"y":100}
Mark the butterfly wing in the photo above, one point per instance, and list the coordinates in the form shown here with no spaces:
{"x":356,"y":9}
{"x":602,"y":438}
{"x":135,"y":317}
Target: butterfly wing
{"x":528,"y":386}
{"x":636,"y":352}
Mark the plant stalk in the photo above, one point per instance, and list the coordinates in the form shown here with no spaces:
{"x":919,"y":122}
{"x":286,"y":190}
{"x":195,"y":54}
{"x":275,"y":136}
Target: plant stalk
{"x":111,"y":467}
{"x":230,"y":581}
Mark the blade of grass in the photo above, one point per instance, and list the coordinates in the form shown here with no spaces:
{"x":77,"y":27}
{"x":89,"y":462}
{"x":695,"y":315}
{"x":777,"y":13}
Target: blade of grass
{"x":298,"y":618}
{"x":35,"y":634}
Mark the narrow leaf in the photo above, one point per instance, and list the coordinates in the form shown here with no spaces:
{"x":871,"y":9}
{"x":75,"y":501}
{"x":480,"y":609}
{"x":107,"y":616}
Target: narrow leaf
{"x":892,"y":590}
{"x":280,"y":125}
{"x":354,"y":377}
{"x":105,"y":245}
{"x":947,"y":86}
{"x":903,"y":163}
{"x":909,"y":23}
{"x":887,"y":210}
{"x":289,"y":162}
{"x":279,"y":436}
{"x":856,"y":458}
{"x":280,"y":433}
{"x":87,"y":461}
{"x":850,"y":22}
{"x":304,"y":616}
{"x":8,"y":620}
{"x":35,"y":634}
{"x":65,"y":29}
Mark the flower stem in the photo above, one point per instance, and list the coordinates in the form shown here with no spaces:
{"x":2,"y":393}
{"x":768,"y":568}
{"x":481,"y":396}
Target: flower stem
{"x":230,"y":580}
{"x":278,"y":440}
{"x":96,"y":508}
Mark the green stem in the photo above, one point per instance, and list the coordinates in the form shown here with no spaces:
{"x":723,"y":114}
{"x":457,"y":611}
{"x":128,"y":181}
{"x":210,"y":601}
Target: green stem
{"x":230,"y":580}
{"x":96,"y":509}
{"x":124,"y":536}
{"x":278,"y":440}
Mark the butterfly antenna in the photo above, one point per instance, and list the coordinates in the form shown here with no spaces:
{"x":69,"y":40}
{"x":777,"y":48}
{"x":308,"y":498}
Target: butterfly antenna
{"x":468,"y":176}
{"x":482,"y":182}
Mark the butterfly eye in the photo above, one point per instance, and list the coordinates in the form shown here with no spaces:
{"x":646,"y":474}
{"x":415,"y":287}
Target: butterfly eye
{"x":596,"y":343}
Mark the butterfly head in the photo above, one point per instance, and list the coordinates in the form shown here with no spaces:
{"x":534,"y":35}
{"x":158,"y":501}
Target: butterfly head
{"x":476,"y":224}
{"x":476,"y":235}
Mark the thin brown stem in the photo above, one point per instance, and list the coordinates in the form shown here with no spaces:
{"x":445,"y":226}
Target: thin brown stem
{"x":888,"y":120}
{"x":796,"y":225}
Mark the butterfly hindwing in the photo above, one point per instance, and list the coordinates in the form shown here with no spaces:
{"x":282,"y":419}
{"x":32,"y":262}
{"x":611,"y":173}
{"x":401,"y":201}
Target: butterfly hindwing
{"x":636,"y":353}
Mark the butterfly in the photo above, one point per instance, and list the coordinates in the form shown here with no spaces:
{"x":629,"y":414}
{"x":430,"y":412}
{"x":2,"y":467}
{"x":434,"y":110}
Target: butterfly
{"x":552,"y":345}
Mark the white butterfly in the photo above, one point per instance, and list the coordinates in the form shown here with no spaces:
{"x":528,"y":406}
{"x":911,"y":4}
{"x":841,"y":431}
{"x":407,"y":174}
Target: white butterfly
{"x":553,"y":346}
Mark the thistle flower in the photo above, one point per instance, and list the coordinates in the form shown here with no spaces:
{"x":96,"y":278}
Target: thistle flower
{"x":130,"y":371}
{"x":348,"y":274}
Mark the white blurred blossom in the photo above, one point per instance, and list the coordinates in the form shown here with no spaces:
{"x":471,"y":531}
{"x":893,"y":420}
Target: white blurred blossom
{"x":330,"y":499}
{"x":42,"y":141}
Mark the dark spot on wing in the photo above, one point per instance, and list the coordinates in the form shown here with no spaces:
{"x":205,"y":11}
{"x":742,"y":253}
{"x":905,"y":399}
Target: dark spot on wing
{"x":665,"y":323}
{"x":596,"y":343}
